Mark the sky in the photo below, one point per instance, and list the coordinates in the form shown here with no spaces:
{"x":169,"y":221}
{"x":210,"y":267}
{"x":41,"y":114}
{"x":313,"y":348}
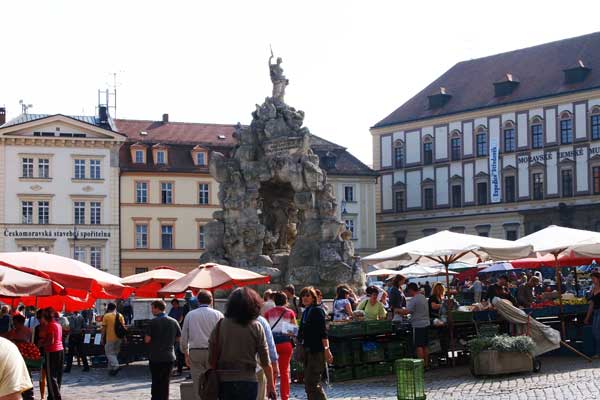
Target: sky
{"x":349,"y":63}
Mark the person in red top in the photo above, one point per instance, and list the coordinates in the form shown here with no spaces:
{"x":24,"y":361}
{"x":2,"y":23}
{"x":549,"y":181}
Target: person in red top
{"x":51,"y":340}
{"x":283,"y":325}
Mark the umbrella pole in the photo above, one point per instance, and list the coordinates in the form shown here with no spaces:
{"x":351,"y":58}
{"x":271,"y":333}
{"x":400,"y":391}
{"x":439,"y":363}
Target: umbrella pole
{"x":559,"y":288}
{"x":576,"y":283}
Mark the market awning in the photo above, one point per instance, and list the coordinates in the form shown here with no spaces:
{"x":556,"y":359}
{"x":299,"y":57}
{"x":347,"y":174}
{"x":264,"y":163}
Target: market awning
{"x":569,"y":259}
{"x":147,"y":284}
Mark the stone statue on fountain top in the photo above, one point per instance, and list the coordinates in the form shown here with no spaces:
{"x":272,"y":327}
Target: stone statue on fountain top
{"x":279,"y":80}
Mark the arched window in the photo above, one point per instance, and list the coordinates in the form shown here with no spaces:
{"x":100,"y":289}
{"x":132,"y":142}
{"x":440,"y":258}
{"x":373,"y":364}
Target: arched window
{"x":455,"y":146}
{"x":399,"y":153}
{"x":595,"y":123}
{"x":509,"y":137}
{"x":427,"y":150}
{"x":537,"y":133}
{"x":566,"y":128}
{"x":481,"y":142}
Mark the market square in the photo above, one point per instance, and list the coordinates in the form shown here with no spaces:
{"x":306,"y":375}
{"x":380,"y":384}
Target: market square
{"x":316,"y":217}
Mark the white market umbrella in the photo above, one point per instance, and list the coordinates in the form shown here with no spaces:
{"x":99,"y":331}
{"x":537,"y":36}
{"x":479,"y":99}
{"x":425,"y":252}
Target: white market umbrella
{"x":558,"y":239}
{"x":421,"y":271}
{"x":384,"y":272}
{"x":447,"y":247}
{"x":498,"y":267}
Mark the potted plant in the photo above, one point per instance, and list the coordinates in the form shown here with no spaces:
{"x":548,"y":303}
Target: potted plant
{"x":501,"y":354}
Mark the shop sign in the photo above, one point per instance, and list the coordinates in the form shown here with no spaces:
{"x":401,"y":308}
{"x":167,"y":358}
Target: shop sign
{"x":19,"y":233}
{"x":495,"y":188}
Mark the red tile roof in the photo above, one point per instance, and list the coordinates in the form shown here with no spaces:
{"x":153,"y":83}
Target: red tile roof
{"x":176,"y":132}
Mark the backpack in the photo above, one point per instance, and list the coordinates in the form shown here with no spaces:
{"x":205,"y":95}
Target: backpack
{"x":120,"y":330}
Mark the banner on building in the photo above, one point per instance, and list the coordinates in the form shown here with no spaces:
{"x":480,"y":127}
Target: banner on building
{"x":495,"y":188}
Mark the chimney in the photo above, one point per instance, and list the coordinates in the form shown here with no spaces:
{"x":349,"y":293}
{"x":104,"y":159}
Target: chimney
{"x":2,"y":115}
{"x":165,"y":119}
{"x":103,"y":114}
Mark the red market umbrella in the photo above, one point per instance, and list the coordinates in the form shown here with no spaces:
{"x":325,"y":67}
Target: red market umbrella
{"x":78,"y":278}
{"x":58,"y":302}
{"x":565,"y":260}
{"x":147,"y":284}
{"x":214,"y":277}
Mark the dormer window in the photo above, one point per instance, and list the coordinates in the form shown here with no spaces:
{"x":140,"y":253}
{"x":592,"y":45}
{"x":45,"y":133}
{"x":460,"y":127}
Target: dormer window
{"x":577,"y":73}
{"x":160,"y":157}
{"x":200,"y":156}
{"x":160,"y":154}
{"x":138,"y":153}
{"x":439,"y":98}
{"x":139,"y":156}
{"x":506,"y":85}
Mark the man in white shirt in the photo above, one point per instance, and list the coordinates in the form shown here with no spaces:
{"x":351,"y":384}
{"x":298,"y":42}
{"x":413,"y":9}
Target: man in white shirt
{"x":14,"y":377}
{"x":197,"y":327}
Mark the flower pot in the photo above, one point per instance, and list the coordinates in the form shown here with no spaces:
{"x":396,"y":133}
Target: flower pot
{"x":492,"y":362}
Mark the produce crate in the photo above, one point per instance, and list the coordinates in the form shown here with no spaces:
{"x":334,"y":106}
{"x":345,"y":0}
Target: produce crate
{"x":378,"y":327}
{"x":33,"y":364}
{"x":410,"y":382}
{"x":341,"y":374}
{"x":348,"y":329}
{"x":357,"y":353}
{"x":383,"y":369}
{"x":462,"y":316}
{"x":363,"y":371}
{"x":343,"y":359}
{"x":545,"y":312}
{"x":395,"y":350}
{"x":372,"y":352}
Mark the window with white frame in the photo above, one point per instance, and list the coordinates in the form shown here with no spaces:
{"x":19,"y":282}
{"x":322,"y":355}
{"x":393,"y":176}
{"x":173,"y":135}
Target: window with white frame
{"x":95,"y":171}
{"x":509,"y":137}
{"x":428,"y":150}
{"x":160,"y":157}
{"x":349,"y":193}
{"x":27,"y":170}
{"x":537,"y":133}
{"x":139,"y":156}
{"x":79,"y":253}
{"x":566,"y":128}
{"x":166,"y":236}
{"x":44,"y":168}
{"x":166,"y":192}
{"x":201,"y":158}
{"x":201,"y":237}
{"x":43,"y":212}
{"x":141,"y":236}
{"x":27,"y":212}
{"x":203,"y":193}
{"x":481,"y":142}
{"x":96,"y":257}
{"x":141,"y":192}
{"x":79,"y":212}
{"x":95,"y":213}
{"x":79,"y":169}
{"x":350,"y":226}
{"x":595,"y":123}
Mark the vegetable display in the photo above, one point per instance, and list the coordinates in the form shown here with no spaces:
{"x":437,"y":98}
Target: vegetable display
{"x":29,"y":351}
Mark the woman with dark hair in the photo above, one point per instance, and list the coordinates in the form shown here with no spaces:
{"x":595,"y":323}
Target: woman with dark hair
{"x":313,"y":336}
{"x":594,"y":311}
{"x":397,"y":299}
{"x":342,"y":309}
{"x":283,"y":325}
{"x":235,"y":342}
{"x":373,"y":308}
{"x":51,"y":340}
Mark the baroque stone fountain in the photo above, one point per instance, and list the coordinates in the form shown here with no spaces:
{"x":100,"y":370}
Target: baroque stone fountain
{"x":279,"y":213}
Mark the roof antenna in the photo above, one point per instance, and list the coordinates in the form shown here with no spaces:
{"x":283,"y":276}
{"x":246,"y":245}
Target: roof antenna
{"x":25,"y":107}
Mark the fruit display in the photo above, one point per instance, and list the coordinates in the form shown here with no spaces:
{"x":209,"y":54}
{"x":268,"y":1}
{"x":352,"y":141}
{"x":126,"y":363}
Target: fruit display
{"x":573,"y":302}
{"x":29,"y":351}
{"x":543,"y":304}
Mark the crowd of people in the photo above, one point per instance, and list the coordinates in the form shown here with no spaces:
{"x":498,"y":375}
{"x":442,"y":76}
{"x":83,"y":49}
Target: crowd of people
{"x":252,"y":344}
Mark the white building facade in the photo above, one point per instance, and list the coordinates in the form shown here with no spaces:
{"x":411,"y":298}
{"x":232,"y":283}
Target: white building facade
{"x":495,"y":147}
{"x":59,"y":185}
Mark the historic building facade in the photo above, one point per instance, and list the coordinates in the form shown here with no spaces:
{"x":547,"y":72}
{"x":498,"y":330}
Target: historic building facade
{"x":496,"y":146}
{"x":167,"y":193}
{"x":59,"y":187}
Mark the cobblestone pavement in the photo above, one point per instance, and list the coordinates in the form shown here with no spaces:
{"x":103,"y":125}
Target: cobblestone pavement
{"x":560,"y":378}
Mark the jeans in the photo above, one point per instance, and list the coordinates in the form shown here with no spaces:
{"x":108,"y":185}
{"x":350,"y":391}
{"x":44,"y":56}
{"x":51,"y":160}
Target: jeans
{"x":477,"y":297}
{"x":284,"y":350}
{"x":596,"y":331}
{"x":238,"y":390}
{"x":161,"y":377}
{"x":314,"y":366}
{"x":111,"y":350}
{"x":54,"y":371}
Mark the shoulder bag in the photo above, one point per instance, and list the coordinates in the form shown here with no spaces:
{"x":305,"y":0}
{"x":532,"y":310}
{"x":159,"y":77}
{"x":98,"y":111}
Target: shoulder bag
{"x":209,"y":381}
{"x":120,"y":330}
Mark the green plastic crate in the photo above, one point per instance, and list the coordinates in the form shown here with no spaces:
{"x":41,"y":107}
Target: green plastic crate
{"x":357,"y":353}
{"x":410,"y":380}
{"x":343,"y":359}
{"x":341,"y":374}
{"x":374,"y":356}
{"x":346,"y":330}
{"x":383,"y":369}
{"x":363,"y":371}
{"x":395,"y":350}
{"x":462,"y":316}
{"x":378,"y":327}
